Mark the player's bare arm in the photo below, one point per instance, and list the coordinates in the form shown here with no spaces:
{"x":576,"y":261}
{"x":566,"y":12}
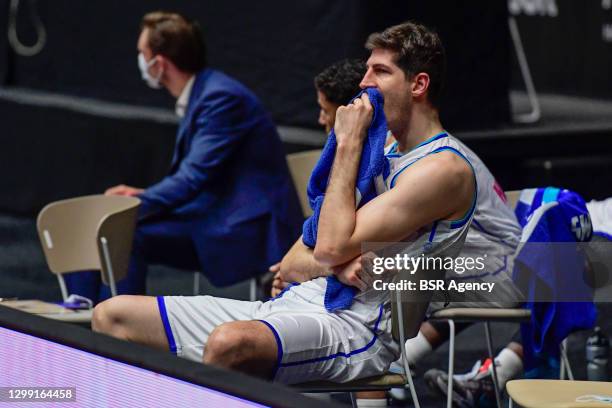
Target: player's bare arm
{"x":439,"y":186}
{"x":299,"y":264}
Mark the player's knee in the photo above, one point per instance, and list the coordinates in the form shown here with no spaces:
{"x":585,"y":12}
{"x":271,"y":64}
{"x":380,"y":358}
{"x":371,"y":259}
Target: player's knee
{"x":107,"y":318}
{"x":227,"y":346}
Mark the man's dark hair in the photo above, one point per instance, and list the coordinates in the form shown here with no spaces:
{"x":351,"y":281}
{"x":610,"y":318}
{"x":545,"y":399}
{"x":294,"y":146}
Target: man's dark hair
{"x":340,"y":81}
{"x":418,"y":49}
{"x":177,"y":38}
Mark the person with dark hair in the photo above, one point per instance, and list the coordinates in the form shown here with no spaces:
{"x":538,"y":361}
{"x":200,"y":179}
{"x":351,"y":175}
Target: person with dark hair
{"x":336,"y":85}
{"x":433,"y":190}
{"x":228,"y":206}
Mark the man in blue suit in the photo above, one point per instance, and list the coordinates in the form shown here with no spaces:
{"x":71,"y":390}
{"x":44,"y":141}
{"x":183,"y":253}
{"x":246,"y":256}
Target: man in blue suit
{"x":228,"y":206}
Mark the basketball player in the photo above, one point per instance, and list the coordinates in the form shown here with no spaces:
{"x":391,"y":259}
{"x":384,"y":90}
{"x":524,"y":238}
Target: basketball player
{"x":434,"y":191}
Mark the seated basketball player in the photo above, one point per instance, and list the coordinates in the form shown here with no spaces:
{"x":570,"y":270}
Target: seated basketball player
{"x":430,"y":195}
{"x":336,"y":85}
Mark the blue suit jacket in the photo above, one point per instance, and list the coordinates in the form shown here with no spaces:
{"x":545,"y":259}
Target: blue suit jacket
{"x":229,"y":176}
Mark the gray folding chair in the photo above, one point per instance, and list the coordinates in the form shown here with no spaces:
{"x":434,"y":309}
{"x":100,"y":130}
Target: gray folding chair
{"x":486,"y":316}
{"x":559,"y":394}
{"x":88,"y":233}
{"x":300,"y":166}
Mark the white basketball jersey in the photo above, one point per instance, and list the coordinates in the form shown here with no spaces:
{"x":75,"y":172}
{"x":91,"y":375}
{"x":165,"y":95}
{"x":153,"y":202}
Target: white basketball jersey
{"x":491,"y":225}
{"x":489,"y":222}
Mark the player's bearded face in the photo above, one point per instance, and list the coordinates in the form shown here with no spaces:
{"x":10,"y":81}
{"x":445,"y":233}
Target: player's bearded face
{"x":398,"y":106}
{"x":391,"y":81}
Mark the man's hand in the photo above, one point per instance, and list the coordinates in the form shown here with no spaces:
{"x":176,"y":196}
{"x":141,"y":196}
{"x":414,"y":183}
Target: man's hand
{"x":298,"y":265}
{"x":357,"y":273}
{"x":278,"y":284}
{"x":124,"y":190}
{"x":353,"y":120}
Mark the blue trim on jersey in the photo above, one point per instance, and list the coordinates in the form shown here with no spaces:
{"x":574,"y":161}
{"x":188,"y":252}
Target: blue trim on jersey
{"x":164,"y":317}
{"x":462,"y":221}
{"x":392,"y":183}
{"x":279,"y":348}
{"x":393,"y":148}
{"x":341,"y":354}
{"x":431,"y":139}
{"x":550,"y":194}
{"x":282,"y":292}
{"x":433,"y":232}
{"x":394,"y":152}
{"x":603,"y":234}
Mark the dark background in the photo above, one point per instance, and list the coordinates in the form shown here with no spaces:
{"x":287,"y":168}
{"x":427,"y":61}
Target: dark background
{"x":566,"y":49}
{"x":275,"y":47}
{"x":50,"y":151}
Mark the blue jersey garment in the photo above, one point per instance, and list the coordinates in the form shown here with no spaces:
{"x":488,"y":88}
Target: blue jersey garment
{"x":564,"y":220}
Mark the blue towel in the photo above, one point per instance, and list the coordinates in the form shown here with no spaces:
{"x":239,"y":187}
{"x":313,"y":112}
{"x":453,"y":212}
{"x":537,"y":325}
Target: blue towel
{"x":373,"y":164}
{"x":560,"y":269}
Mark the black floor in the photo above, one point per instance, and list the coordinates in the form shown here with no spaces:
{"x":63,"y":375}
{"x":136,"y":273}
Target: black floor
{"x":23,"y":274}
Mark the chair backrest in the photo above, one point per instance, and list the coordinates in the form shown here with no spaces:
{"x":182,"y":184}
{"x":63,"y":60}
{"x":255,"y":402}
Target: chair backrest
{"x":411,"y":304}
{"x":301,"y":165}
{"x":513,"y":197}
{"x":72,"y":233}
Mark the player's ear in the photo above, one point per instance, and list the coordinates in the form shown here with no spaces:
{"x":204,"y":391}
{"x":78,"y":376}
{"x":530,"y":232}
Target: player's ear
{"x":420,"y":84}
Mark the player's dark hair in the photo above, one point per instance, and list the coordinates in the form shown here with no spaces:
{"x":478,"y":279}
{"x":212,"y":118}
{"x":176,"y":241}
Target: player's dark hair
{"x":418,"y":49}
{"x":340,"y":81}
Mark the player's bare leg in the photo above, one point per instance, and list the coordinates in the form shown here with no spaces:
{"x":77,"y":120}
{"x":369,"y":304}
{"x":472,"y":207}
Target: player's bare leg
{"x":132,"y":318}
{"x":247,"y":346}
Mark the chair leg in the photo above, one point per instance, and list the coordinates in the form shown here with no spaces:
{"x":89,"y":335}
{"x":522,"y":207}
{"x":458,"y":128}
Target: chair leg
{"x":492,"y":357}
{"x":561,"y":363}
{"x":253,"y":289}
{"x":196,"y":283}
{"x":451,"y":363}
{"x":353,"y":399}
{"x":62,"y":283}
{"x":565,"y":364}
{"x":400,"y":318}
{"x":109,"y":266}
{"x":509,"y":402}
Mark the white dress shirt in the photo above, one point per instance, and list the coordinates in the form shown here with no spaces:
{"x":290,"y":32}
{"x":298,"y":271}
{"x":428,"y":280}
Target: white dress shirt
{"x":183,"y":99}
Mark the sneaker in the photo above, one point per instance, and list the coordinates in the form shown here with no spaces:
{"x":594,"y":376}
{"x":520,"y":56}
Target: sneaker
{"x":400,"y":394}
{"x":472,"y":389}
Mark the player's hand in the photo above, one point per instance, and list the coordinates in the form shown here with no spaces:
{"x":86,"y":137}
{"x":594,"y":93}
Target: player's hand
{"x":357,"y":273}
{"x":278,"y":284}
{"x":124,"y":190}
{"x":353,"y":120}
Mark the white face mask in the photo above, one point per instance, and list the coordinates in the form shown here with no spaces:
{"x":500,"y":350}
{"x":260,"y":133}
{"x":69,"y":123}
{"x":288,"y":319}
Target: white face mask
{"x":144,"y":66}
